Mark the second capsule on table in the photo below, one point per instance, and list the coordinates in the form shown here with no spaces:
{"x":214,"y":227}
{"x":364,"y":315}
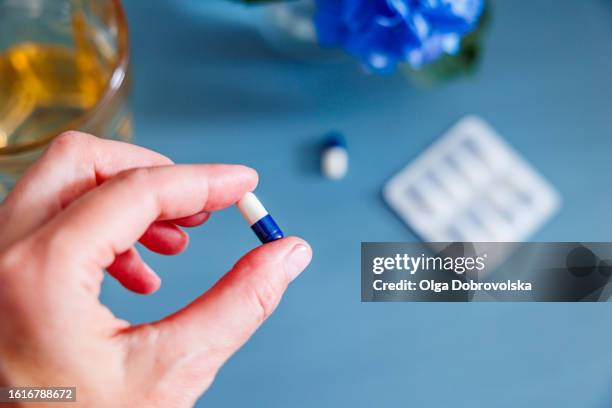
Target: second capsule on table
{"x":334,"y":156}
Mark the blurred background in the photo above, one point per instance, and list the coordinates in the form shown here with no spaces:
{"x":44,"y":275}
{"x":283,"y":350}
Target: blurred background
{"x":216,"y":81}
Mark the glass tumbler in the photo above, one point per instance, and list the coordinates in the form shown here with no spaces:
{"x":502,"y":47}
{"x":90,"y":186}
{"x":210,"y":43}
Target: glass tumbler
{"x":63,"y":66}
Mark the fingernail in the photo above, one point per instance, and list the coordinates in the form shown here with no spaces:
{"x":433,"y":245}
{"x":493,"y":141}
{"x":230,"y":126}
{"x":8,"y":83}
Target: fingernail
{"x":297,"y":260}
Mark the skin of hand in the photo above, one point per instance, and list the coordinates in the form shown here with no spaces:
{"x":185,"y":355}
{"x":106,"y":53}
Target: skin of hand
{"x":78,"y":211}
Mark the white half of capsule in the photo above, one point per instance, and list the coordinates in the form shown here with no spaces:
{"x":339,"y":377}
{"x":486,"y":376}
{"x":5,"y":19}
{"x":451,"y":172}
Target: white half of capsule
{"x":334,"y":162}
{"x":251,"y":208}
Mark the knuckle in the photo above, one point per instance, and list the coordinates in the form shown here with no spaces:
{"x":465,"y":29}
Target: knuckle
{"x":70,"y":139}
{"x":138,"y":180}
{"x":69,"y":143}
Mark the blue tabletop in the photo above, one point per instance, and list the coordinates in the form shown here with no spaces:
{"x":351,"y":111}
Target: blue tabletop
{"x":208,"y":88}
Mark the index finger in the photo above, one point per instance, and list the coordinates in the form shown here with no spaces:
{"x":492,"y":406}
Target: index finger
{"x":73,"y":164}
{"x":109,"y":219}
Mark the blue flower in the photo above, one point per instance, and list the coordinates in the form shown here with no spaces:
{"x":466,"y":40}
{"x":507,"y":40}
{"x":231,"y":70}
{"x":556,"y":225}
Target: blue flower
{"x":383,"y":33}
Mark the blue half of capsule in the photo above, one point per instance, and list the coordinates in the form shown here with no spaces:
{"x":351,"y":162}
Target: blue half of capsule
{"x":267,"y":230}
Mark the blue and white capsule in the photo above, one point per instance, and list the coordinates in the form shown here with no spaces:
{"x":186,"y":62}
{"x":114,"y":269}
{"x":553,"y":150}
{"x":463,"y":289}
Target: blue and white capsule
{"x":334,"y":157}
{"x":261,"y":222}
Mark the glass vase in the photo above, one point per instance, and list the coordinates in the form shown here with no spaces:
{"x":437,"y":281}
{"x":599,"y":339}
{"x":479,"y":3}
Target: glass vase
{"x":290,"y":29}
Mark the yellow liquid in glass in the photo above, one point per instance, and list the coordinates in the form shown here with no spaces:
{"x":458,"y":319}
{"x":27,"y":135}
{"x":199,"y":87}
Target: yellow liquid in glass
{"x":45,"y":86}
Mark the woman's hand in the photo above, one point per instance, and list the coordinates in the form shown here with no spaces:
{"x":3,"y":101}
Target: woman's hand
{"x":78,"y":211}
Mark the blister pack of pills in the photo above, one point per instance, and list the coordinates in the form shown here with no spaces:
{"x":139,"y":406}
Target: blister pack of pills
{"x":471,"y":185}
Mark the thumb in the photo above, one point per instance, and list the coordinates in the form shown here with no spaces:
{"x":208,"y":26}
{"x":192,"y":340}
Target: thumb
{"x":208,"y":331}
